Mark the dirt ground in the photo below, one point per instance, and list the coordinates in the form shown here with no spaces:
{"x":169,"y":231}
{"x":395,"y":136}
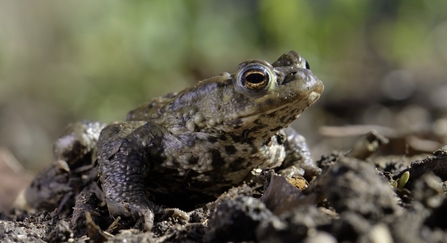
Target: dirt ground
{"x":353,"y":200}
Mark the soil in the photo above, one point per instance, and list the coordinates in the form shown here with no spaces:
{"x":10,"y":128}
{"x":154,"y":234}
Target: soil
{"x":353,"y":200}
{"x":388,"y":187}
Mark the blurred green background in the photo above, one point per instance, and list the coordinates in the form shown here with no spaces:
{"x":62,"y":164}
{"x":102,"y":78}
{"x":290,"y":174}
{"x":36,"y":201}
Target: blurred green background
{"x":66,"y":61}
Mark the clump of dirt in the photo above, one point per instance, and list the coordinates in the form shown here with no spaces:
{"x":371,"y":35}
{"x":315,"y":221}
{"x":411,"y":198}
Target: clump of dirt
{"x":357,"y":198}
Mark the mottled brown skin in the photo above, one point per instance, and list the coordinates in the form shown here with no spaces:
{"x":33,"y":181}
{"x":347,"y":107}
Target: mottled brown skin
{"x":209,"y":137}
{"x":189,"y":147}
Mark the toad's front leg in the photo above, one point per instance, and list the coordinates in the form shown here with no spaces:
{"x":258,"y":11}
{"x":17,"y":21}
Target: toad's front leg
{"x":298,"y":160}
{"x":125,"y":151}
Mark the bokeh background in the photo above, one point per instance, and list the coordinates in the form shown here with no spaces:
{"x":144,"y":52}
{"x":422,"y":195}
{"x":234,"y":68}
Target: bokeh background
{"x":383,"y":62}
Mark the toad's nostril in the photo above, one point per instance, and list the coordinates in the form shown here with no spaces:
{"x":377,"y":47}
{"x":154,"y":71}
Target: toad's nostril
{"x":289,"y":77}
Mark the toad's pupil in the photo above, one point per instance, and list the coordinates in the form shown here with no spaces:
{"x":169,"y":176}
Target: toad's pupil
{"x":255,"y":78}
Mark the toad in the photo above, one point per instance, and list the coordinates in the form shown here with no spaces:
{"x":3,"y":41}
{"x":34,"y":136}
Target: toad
{"x":204,"y":139}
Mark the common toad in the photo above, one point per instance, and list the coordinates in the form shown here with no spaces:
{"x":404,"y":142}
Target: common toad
{"x":208,"y":137}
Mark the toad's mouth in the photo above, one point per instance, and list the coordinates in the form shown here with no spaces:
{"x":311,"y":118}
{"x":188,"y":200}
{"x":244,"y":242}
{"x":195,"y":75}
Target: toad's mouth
{"x":297,"y":104}
{"x":293,"y":108}
{"x":293,"y":100}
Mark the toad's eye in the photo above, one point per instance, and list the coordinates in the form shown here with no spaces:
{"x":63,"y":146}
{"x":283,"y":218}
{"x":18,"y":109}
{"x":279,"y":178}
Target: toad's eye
{"x":307,"y":65}
{"x":302,"y":63}
{"x":255,"y":78}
